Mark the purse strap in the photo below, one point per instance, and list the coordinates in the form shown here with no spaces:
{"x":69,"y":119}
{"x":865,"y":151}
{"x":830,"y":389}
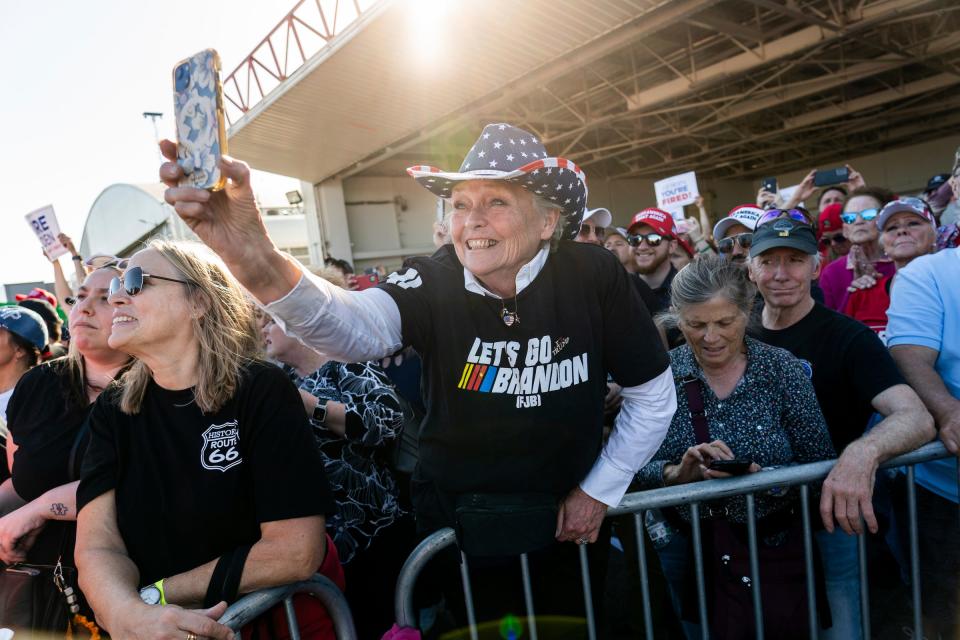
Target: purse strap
{"x":698,"y":415}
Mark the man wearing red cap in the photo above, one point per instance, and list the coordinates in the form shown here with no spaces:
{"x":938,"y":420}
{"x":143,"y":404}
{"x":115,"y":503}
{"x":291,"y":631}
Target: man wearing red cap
{"x":653,"y":236}
{"x":830,"y":234}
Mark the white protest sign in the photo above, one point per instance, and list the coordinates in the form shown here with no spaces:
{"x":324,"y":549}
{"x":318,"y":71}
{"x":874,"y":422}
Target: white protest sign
{"x":675,"y":192}
{"x":44,"y":223}
{"x":786,"y":193}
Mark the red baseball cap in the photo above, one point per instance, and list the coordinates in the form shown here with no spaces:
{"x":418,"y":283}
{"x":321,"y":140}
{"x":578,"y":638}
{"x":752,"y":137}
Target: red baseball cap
{"x":38,"y":294}
{"x":830,"y":219}
{"x":661,"y":221}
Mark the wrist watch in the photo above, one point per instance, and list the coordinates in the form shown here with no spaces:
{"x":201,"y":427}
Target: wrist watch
{"x":320,"y":412}
{"x":152,"y":594}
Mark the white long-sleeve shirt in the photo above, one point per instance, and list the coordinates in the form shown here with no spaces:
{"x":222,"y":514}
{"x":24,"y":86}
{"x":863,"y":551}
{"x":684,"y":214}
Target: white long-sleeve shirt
{"x":365,"y":325}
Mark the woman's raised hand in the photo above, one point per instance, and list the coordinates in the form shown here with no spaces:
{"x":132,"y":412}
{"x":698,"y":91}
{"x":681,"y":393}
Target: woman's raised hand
{"x":228,"y":221}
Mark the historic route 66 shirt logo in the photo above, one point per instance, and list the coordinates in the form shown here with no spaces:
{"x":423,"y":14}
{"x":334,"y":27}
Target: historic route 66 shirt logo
{"x":220,"y":444}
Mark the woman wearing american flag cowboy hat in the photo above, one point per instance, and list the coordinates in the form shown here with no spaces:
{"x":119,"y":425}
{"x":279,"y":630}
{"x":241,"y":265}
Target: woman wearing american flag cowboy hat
{"x":518,"y":329}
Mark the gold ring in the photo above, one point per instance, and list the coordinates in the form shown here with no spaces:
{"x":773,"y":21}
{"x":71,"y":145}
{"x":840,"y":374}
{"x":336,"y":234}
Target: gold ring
{"x":192,"y":636}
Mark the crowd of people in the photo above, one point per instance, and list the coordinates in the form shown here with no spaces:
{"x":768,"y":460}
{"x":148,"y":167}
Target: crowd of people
{"x":207,"y":421}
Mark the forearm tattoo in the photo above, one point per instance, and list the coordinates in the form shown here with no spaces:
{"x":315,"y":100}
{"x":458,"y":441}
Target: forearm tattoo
{"x":59,"y":509}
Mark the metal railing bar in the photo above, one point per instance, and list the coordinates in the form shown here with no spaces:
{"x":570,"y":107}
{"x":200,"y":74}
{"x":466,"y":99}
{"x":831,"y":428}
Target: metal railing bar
{"x":587,"y":592}
{"x":249,"y":607}
{"x":754,"y":565}
{"x":808,"y":562}
{"x":864,"y":587}
{"x":292,"y":625}
{"x":698,"y":566}
{"x":428,"y":547}
{"x":756,"y":482}
{"x":528,"y":595}
{"x":914,"y":553}
{"x":638,"y":519}
{"x":468,"y":596}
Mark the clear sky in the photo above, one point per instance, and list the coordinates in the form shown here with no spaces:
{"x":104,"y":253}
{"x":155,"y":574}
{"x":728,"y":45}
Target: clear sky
{"x":77,"y":78}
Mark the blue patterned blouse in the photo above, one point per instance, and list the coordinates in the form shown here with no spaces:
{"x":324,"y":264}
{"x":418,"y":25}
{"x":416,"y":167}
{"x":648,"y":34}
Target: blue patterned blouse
{"x":772,"y":418}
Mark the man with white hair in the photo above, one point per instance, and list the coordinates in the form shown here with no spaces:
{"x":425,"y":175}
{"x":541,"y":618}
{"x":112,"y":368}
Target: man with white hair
{"x":853,"y":375}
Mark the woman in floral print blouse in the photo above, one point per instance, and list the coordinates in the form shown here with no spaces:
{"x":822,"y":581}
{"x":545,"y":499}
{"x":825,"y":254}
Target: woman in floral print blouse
{"x":760,"y":406}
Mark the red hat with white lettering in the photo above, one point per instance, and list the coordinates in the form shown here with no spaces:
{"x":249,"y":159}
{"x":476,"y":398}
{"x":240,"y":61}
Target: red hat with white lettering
{"x":661,"y":222}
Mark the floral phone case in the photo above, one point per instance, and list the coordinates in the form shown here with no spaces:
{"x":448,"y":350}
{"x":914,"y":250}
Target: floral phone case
{"x":201,"y":136}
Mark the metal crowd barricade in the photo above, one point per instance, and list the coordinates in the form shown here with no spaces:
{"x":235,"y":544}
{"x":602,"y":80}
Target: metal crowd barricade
{"x":249,"y":607}
{"x":693,"y":495}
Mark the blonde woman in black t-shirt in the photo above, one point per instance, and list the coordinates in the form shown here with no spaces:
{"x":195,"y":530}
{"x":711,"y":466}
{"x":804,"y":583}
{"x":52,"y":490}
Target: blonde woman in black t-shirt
{"x":202,"y":480}
{"x":46,"y":413}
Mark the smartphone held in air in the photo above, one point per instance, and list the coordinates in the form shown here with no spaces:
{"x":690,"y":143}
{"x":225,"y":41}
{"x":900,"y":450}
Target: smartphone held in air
{"x":735,"y":467}
{"x":769,"y":184}
{"x":831,"y":176}
{"x":198,"y":107}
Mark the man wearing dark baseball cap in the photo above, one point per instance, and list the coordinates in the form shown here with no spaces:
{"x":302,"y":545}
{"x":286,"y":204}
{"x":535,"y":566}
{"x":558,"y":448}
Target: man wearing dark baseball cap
{"x":23,"y":337}
{"x":853,"y":375}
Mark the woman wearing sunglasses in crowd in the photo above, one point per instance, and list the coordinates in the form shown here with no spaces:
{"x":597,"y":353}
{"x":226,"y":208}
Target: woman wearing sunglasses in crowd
{"x":202,"y":480}
{"x":866,"y":257}
{"x":908,"y":230}
{"x":46,"y":411}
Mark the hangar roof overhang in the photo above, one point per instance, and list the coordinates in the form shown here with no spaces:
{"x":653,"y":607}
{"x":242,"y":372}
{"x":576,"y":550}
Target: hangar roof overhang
{"x":626,"y":88}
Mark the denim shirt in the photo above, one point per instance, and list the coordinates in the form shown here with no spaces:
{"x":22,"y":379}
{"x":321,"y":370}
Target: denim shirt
{"x":771,"y":417}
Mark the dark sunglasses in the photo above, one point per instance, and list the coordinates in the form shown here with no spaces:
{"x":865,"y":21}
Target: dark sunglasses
{"x":800,"y":215}
{"x":586,"y":229}
{"x":742,"y":239}
{"x":653,"y":239}
{"x":826,"y":241}
{"x":133,"y":280}
{"x":866,"y":214}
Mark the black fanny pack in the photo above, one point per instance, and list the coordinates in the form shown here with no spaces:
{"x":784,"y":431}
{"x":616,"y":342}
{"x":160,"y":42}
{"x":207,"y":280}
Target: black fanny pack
{"x":505,"y":524}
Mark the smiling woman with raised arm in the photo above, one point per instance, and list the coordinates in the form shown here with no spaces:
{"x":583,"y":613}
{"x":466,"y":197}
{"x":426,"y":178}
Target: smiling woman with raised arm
{"x":202,"y":480}
{"x":518,"y":329}
{"x":46,"y":416}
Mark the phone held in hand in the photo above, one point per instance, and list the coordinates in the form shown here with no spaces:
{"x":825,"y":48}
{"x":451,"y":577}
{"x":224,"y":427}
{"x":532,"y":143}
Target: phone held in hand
{"x":735,"y":467}
{"x":831,"y":176}
{"x":198,"y":109}
{"x":367,"y":280}
{"x":769,"y":184}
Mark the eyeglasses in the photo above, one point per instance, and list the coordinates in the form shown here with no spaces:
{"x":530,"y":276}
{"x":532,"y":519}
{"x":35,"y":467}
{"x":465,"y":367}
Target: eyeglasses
{"x":800,"y":215}
{"x":826,"y":241}
{"x":867,"y":215}
{"x":653,"y":239}
{"x":744,"y":240}
{"x":133,"y":280}
{"x":101,"y":260}
{"x":586,"y":229}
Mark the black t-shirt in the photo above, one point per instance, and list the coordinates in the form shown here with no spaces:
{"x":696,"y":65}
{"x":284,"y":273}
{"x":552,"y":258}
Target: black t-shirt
{"x":848,"y":363}
{"x":191,"y":486}
{"x":45,"y":427}
{"x":647,"y":296}
{"x":519,"y":408}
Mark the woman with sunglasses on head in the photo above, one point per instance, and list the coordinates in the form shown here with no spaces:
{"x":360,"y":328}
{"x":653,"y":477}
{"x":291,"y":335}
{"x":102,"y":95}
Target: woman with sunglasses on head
{"x":202,"y":480}
{"x":908,"y":230}
{"x":46,"y":414}
{"x":866,"y":256}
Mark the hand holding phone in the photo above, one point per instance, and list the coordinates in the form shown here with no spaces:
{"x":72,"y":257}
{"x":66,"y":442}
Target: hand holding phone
{"x":831,"y":177}
{"x":198,"y":109}
{"x":735,"y":467}
{"x":769,"y":184}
